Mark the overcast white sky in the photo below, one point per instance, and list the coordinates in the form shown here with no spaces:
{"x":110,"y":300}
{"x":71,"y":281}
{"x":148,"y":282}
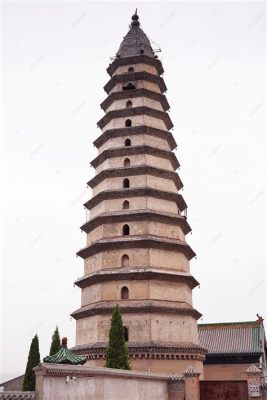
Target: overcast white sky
{"x":54,"y":63}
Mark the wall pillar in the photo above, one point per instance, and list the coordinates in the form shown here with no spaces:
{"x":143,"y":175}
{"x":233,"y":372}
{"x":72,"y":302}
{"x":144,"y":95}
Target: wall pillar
{"x":39,"y":382}
{"x":192,"y":390}
{"x":254,"y":379}
{"x":176,"y":389}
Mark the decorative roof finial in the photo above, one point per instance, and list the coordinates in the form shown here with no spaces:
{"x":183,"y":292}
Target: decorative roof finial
{"x":135,"y":19}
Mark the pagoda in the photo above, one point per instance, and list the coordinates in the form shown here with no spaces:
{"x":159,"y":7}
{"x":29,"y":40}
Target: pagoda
{"x":136,"y":254}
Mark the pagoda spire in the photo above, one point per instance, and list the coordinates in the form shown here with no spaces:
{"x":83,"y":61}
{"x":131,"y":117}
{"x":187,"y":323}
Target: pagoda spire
{"x":135,"y":19}
{"x":135,"y":43}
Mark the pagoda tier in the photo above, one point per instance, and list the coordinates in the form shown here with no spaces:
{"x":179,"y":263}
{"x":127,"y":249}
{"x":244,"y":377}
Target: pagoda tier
{"x":136,"y":253}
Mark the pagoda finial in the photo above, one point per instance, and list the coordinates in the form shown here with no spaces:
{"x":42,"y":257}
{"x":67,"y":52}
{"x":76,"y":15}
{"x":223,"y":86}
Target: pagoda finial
{"x":135,"y":19}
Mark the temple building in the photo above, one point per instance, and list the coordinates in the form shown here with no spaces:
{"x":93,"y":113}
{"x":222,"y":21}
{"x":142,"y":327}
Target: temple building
{"x":232,"y":348}
{"x":136,"y":254}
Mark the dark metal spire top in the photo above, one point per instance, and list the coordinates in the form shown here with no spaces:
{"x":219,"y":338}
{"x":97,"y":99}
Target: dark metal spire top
{"x":135,"y":19}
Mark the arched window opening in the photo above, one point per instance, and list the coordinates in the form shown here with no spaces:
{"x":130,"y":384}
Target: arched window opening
{"x":128,"y":122}
{"x":130,"y":69}
{"x":126,"y":183}
{"x":126,"y":230}
{"x":127,"y":142}
{"x":129,"y":104}
{"x":126,"y":162}
{"x":124,"y":293}
{"x":129,"y":86}
{"x":126,"y":334}
{"x":126,"y":205}
{"x":125,"y":261}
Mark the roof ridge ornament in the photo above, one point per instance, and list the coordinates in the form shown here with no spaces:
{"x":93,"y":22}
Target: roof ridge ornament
{"x":135,"y":19}
{"x":253,"y":370}
{"x":191,"y":371}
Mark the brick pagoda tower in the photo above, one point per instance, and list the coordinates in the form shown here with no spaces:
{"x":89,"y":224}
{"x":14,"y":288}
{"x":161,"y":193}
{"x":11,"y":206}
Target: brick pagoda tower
{"x":136,"y":254}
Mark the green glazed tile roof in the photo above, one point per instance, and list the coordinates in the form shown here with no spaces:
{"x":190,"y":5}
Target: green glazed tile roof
{"x":240,"y":338}
{"x":65,"y":356}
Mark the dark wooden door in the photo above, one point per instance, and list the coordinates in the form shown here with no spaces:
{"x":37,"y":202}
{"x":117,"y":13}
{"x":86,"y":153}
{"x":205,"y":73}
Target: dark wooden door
{"x":223,"y":390}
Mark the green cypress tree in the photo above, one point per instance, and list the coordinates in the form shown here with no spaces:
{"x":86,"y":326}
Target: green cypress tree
{"x":117,"y":353}
{"x":55,"y":344}
{"x":33,"y":361}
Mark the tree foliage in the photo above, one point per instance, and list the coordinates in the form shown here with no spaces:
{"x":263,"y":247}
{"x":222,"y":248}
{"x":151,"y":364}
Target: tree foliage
{"x":33,"y":361}
{"x":55,"y":344}
{"x":117,"y":352}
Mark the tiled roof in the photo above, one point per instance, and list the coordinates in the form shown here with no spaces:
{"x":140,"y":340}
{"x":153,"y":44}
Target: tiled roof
{"x":17,"y":396}
{"x":240,"y":338}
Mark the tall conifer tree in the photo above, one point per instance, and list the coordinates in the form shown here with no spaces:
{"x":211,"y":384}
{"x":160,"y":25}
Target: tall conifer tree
{"x":33,"y":361}
{"x":55,"y":344}
{"x":117,"y":352}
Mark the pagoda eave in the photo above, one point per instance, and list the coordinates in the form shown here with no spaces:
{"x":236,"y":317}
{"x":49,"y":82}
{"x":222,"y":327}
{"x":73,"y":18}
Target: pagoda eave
{"x":141,"y":241}
{"x":134,"y":150}
{"x":135,"y":273}
{"x":144,"y":59}
{"x":135,"y":76}
{"x":136,"y":306}
{"x":130,"y":94}
{"x":136,"y":192}
{"x":138,"y":130}
{"x":136,"y":170}
{"x":136,"y":215}
{"x":146,"y":350}
{"x":135,"y":111}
